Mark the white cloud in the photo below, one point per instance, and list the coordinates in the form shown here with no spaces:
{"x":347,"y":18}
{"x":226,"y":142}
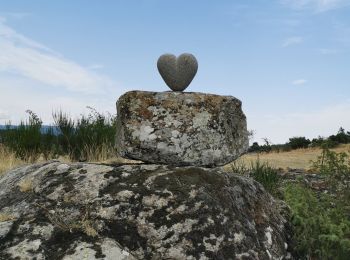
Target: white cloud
{"x":25,"y":57}
{"x":292,"y":41}
{"x":316,"y":5}
{"x":299,"y":81}
{"x":29,"y":94}
{"x":323,"y":122}
{"x":33,"y":76}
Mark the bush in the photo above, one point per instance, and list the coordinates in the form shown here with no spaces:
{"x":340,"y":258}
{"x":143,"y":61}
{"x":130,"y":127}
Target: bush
{"x":90,"y":138}
{"x":321,"y":226}
{"x":266,"y":175}
{"x":24,"y":140}
{"x":299,"y":142}
{"x":336,"y":168}
{"x":261,"y":172}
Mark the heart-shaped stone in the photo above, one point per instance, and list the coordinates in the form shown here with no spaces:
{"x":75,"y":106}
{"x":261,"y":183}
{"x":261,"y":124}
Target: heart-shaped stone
{"x":177,"y":72}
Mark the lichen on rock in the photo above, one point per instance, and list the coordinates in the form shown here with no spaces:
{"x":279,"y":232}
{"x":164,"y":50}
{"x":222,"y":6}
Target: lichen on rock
{"x":180,"y":129}
{"x":138,"y":212}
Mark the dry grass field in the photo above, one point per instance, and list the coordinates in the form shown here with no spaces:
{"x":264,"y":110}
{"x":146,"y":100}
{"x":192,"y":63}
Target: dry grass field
{"x":295,"y":159}
{"x":8,"y":160}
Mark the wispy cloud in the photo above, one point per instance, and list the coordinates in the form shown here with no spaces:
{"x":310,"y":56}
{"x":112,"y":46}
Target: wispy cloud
{"x":28,"y":58}
{"x":299,"y":82}
{"x":316,"y":5}
{"x":326,"y":51}
{"x":292,"y":41}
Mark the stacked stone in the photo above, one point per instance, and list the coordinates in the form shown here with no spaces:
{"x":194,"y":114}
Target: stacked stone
{"x":178,"y":128}
{"x":152,"y":211}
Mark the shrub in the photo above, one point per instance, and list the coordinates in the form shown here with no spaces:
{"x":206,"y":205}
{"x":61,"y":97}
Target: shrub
{"x":89,"y":138}
{"x":261,"y":172}
{"x":266,"y":175}
{"x":299,"y":142}
{"x":321,"y":226}
{"x":24,"y":140}
{"x":336,"y":167}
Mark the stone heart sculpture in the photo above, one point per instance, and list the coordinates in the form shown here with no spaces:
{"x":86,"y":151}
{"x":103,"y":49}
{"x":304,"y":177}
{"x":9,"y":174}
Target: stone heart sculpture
{"x":177,"y":72}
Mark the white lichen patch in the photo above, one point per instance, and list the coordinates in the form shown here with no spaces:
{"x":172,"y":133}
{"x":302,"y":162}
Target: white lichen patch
{"x":126,"y":174}
{"x":83,"y":250}
{"x":193,"y":194}
{"x":155,"y":201}
{"x":108,"y":212}
{"x":238,"y":237}
{"x":209,"y":246}
{"x":268,"y":235}
{"x":201,"y":119}
{"x":112,"y":250}
{"x":24,"y":249}
{"x":62,"y":168}
{"x":5,"y":228}
{"x":124,"y":195}
{"x":44,"y":231}
{"x":144,"y":133}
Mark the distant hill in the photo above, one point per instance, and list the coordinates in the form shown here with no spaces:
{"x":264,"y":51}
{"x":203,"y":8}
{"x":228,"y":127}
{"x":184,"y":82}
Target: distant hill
{"x":44,"y":128}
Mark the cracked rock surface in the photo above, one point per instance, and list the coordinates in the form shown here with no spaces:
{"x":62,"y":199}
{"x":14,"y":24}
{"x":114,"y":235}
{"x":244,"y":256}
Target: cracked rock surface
{"x":180,"y":129}
{"x":96,"y":211}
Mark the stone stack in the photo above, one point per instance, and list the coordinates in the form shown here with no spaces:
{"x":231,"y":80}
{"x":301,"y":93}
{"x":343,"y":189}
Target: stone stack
{"x":178,"y":206}
{"x":180,"y":129}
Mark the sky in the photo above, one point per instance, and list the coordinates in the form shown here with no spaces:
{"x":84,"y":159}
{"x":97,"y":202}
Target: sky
{"x":288,"y":61}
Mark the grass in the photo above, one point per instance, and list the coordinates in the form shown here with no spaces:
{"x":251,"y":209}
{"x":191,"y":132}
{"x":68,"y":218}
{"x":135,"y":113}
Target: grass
{"x":8,"y":160}
{"x":26,"y":185}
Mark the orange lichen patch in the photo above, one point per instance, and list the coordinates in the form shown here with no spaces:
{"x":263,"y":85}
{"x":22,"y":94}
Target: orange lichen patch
{"x":146,"y":100}
{"x":170,"y":104}
{"x":145,"y":113}
{"x":213,"y":102}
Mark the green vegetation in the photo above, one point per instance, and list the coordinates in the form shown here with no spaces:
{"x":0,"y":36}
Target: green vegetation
{"x":321,"y":225}
{"x":298,"y":142}
{"x":89,"y":138}
{"x":262,"y":172}
{"x":321,"y":221}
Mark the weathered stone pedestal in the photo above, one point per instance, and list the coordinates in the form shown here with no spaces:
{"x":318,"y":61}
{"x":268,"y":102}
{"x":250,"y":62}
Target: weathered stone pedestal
{"x":180,"y":129}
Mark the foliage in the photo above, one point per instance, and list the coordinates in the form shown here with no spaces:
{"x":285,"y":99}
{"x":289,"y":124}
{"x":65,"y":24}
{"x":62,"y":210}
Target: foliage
{"x":321,"y":226}
{"x":342,"y":137}
{"x":336,"y":168}
{"x":265,"y":174}
{"x":299,"y":142}
{"x":90,"y":137}
{"x":25,"y":140}
{"x":262,"y":172}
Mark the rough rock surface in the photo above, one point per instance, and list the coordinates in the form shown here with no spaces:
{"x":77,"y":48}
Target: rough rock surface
{"x":90,"y":211}
{"x":177,"y":72}
{"x":180,"y":129}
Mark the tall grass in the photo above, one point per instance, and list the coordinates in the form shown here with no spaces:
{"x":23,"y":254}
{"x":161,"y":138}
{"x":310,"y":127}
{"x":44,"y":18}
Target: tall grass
{"x":261,"y":172}
{"x":88,"y":138}
{"x":8,"y":159}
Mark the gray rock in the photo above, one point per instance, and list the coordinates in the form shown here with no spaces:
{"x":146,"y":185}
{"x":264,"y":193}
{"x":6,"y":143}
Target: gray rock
{"x":180,"y":128}
{"x":177,"y":72}
{"x":92,"y":211}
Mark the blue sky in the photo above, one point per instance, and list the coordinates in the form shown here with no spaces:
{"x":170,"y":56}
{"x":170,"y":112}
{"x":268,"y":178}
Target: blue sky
{"x":288,"y":61}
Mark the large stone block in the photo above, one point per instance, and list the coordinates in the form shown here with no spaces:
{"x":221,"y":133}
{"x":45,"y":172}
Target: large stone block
{"x":180,"y":129}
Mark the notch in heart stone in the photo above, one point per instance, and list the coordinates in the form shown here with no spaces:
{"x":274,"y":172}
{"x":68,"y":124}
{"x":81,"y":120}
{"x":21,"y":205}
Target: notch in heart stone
{"x":177,"y":72}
